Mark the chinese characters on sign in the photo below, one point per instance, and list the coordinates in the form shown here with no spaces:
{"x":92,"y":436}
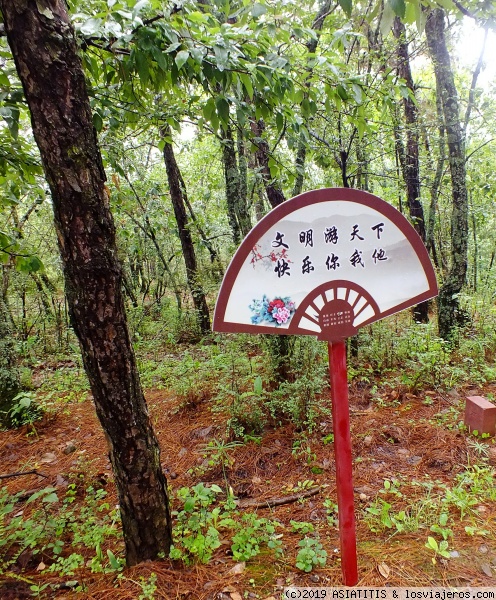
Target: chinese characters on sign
{"x":330,"y":236}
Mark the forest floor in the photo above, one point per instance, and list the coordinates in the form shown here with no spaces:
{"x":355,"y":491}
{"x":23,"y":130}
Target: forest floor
{"x":408,"y":454}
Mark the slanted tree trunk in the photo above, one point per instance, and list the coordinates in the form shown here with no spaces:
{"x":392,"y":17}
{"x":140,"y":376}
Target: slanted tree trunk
{"x":411,"y":167}
{"x":178,"y":193}
{"x":448,"y":303}
{"x":45,"y":52}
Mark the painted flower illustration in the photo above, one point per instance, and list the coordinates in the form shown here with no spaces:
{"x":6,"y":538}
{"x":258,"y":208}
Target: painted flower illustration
{"x":277,"y":311}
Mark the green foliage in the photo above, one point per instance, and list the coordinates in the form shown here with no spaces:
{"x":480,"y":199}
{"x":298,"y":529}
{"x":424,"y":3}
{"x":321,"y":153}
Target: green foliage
{"x":439,"y":549}
{"x":24,"y":410}
{"x":58,"y":530}
{"x":251,"y":532}
{"x":197,"y":532}
{"x":310,"y":555}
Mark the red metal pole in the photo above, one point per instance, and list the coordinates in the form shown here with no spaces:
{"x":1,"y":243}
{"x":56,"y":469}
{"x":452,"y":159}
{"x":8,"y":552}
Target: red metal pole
{"x":344,"y":467}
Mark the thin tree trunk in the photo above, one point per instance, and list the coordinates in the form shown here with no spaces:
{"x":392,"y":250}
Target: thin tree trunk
{"x":178,"y":193}
{"x":448,"y":303}
{"x":436,"y":184}
{"x":235,"y":173}
{"x":272,"y":189}
{"x":411,"y":171}
{"x":231,"y":177}
{"x":301,"y":152}
{"x":44,"y":47}
{"x":9,"y":376}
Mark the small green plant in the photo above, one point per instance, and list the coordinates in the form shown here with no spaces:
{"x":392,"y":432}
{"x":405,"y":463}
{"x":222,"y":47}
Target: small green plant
{"x":310,"y":555}
{"x":441,"y":528}
{"x":301,"y":527}
{"x":218,"y":453}
{"x":148,"y":587}
{"x":331,"y":512}
{"x":25,"y":410}
{"x":251,"y":533}
{"x":196,"y":529}
{"x":439,"y":549}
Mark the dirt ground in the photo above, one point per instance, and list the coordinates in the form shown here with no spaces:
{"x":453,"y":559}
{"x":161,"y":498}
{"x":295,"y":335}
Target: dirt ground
{"x":407,"y":440}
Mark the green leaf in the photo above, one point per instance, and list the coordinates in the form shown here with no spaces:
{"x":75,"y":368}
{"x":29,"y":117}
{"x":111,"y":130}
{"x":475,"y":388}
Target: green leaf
{"x":279,"y":121}
{"x":141,"y":61}
{"x":28,"y":264}
{"x":432,"y":544}
{"x":222,"y":109}
{"x":343,"y":94}
{"x":189,"y":504}
{"x":114,"y":563}
{"x":91,"y":26}
{"x":181,"y":58}
{"x":387,"y":19}
{"x":257,"y":10}
{"x":346,"y":5}
{"x":399,"y":7}
{"x":97,"y":122}
{"x":51,"y":498}
{"x":246,"y":80}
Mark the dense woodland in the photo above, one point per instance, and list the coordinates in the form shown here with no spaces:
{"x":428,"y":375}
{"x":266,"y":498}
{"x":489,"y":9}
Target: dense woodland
{"x":140,"y":142}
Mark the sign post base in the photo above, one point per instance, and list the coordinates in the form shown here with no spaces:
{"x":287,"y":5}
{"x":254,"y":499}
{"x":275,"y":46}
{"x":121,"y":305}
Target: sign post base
{"x":344,"y":466}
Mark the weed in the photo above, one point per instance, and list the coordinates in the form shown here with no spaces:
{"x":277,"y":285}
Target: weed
{"x":301,"y":527}
{"x":25,"y":410}
{"x":439,"y":549}
{"x":310,"y":555}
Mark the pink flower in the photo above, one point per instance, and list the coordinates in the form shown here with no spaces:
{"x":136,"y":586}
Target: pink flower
{"x":281,"y":315}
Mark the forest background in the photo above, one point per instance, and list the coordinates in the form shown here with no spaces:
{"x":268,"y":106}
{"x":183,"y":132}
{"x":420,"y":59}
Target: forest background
{"x":161,"y":133}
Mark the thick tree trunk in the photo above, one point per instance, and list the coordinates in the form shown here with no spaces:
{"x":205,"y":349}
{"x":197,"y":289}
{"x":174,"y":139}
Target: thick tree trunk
{"x":178,"y":193}
{"x":45,"y":52}
{"x":411,"y":167}
{"x":448,"y":305}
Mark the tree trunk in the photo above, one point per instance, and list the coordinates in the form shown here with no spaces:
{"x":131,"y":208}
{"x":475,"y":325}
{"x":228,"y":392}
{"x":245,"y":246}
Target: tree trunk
{"x":9,"y":376}
{"x":272,"y":189}
{"x":411,"y":170}
{"x":178,"y":193}
{"x":236,"y":196}
{"x":301,"y":151}
{"x":45,"y":52}
{"x":448,"y":304}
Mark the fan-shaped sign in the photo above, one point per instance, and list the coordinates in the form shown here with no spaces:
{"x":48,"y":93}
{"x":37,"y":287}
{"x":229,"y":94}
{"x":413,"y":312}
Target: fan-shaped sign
{"x":324,"y":263}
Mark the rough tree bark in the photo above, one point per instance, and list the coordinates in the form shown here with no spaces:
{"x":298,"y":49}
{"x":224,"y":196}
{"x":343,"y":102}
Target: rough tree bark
{"x":45,"y":52}
{"x":262,"y":154}
{"x":448,"y":304}
{"x":237,"y":213}
{"x":411,"y":166}
{"x":178,"y":193}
